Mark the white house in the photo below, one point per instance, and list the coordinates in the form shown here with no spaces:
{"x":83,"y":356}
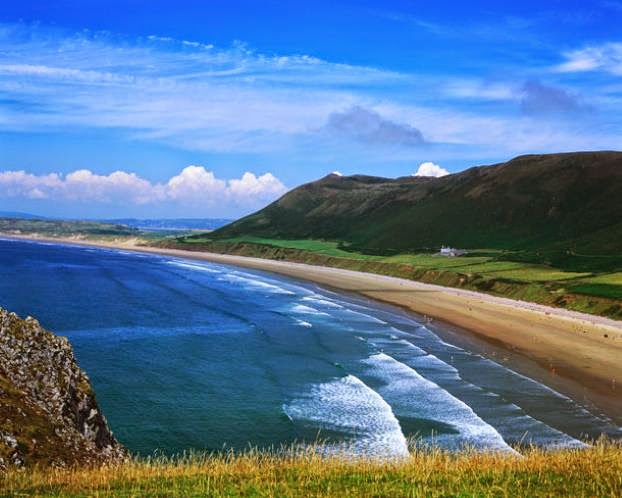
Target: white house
{"x":451,"y":251}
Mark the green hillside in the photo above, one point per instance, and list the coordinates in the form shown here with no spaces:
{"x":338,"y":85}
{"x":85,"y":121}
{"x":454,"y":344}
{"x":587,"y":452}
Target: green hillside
{"x":546,"y":229}
{"x":557,"y":203}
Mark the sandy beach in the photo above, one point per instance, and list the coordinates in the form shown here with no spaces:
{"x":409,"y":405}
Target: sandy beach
{"x":579,"y":351}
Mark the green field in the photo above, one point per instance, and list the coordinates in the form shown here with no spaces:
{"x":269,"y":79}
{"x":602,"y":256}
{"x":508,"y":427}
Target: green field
{"x":475,"y":264}
{"x":318,"y":246}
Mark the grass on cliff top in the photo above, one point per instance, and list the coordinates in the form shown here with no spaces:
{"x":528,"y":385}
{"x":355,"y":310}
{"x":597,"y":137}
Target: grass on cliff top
{"x":593,"y":472}
{"x":481,"y":262}
{"x":324,"y":247}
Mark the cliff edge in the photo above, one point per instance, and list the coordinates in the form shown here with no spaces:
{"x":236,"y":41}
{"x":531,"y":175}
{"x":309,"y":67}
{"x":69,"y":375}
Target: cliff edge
{"x":48,"y":411}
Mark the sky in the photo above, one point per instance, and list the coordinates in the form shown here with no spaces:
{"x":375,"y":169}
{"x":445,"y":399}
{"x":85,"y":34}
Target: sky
{"x":213,"y":109}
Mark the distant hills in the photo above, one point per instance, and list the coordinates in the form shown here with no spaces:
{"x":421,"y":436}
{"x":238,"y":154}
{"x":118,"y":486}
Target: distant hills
{"x":568,"y":202}
{"x":154,"y":224}
{"x":48,"y":227}
{"x":171,"y":224}
{"x":20,"y":216}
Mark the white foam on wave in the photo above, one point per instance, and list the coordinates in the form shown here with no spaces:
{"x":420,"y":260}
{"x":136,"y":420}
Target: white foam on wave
{"x":364,"y":316}
{"x":412,"y":395}
{"x":529,"y":380}
{"x":422,"y":329}
{"x":124,"y":253}
{"x":307,"y":310}
{"x":407,"y":347}
{"x":564,"y":440}
{"x":349,"y":406}
{"x":303,"y":323}
{"x":397,"y":333}
{"x":255,"y":283}
{"x":418,"y":357}
{"x":508,"y":416}
{"x":449,"y":346}
{"x":316,"y":299}
{"x":432,"y":362}
{"x":191,"y":266}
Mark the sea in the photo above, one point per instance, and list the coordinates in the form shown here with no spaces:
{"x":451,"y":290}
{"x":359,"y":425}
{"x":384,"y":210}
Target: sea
{"x":195,"y":356}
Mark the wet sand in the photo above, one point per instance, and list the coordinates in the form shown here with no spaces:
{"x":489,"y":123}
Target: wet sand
{"x":578,"y":353}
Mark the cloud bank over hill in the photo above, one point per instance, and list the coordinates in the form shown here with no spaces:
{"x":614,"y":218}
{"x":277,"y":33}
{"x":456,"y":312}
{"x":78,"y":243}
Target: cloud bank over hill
{"x":193,"y":186}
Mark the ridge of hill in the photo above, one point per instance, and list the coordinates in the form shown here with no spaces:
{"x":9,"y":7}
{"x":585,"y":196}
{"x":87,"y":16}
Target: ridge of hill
{"x":555,"y":202}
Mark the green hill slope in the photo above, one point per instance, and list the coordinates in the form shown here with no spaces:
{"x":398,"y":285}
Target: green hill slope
{"x":556,"y":202}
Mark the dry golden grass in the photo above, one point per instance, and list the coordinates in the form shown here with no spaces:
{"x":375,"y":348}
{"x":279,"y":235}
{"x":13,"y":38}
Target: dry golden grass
{"x":593,"y":472}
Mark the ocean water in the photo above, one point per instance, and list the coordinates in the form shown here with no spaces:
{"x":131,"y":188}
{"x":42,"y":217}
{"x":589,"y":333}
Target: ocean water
{"x":193,"y":355}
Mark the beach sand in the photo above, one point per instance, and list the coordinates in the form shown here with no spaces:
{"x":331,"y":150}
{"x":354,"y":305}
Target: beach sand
{"x":579,"y":353}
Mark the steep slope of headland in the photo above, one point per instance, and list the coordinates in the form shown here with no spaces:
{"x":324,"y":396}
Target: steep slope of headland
{"x":48,"y":411}
{"x":566,"y":202}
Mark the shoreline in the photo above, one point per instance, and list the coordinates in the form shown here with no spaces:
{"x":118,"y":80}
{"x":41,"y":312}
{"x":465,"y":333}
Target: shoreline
{"x":579,"y":353}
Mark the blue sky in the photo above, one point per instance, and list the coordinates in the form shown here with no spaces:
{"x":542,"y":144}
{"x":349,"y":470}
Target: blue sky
{"x":192,"y":108}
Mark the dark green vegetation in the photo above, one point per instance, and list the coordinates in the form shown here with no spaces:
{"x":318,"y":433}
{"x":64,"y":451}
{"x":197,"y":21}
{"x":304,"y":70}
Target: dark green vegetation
{"x":546,"y":229}
{"x":63,"y":228}
{"x":592,"y":472}
{"x":550,"y":207}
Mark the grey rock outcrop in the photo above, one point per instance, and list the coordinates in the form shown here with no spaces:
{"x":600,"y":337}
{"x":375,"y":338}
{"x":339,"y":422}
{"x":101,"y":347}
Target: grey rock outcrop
{"x":48,"y":411}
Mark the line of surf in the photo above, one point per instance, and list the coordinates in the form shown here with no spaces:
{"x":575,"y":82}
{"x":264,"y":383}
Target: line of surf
{"x":347,"y":405}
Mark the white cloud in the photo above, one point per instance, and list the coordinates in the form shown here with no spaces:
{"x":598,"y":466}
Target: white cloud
{"x":22,"y":184}
{"x":430,"y":169}
{"x":472,"y":135}
{"x":75,"y":75}
{"x":478,"y":90}
{"x":606,"y":57}
{"x":84,"y":185}
{"x":193,"y":186}
{"x":180,"y":92}
{"x":250,"y":187}
{"x":200,"y":97}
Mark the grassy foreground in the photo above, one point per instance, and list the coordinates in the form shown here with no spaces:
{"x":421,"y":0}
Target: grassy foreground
{"x":593,"y":472}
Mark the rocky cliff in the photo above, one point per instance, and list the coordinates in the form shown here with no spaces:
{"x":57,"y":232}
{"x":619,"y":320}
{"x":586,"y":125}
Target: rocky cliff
{"x":48,"y":411}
